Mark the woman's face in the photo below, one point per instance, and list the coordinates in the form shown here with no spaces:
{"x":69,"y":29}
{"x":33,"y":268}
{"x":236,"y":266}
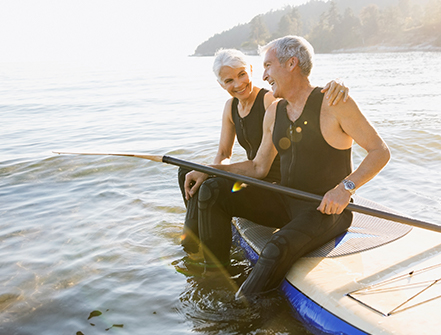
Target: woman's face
{"x":236,"y":81}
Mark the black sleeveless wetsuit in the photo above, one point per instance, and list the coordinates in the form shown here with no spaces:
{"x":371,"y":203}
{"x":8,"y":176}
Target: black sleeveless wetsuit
{"x":308,"y":163}
{"x":249,"y":135}
{"x":249,"y":132}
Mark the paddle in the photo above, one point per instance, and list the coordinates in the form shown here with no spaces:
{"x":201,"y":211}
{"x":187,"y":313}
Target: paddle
{"x":263,"y":184}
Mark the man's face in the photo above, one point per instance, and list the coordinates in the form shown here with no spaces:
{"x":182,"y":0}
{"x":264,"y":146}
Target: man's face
{"x":274,"y":73}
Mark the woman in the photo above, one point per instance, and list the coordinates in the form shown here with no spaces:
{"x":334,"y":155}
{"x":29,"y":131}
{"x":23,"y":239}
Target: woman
{"x":242,"y":117}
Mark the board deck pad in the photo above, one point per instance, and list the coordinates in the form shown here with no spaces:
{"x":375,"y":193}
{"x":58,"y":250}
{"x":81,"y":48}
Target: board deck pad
{"x":366,"y":232}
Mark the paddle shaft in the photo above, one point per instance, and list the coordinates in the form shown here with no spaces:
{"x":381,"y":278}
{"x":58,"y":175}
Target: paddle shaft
{"x":298,"y":194}
{"x":272,"y":187}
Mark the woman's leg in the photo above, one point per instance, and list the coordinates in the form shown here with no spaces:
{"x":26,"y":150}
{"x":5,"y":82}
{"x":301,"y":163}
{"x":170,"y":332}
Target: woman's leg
{"x":218,"y":204}
{"x":190,"y":234}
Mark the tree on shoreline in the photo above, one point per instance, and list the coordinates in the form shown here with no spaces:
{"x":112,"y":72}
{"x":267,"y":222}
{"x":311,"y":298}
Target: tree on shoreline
{"x":259,"y":34}
{"x":289,"y":24}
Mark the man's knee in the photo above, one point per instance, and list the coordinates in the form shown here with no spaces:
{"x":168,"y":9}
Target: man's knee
{"x":275,"y":248}
{"x":285,"y":245}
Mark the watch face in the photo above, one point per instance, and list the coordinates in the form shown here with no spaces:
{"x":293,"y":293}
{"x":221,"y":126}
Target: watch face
{"x":349,"y":185}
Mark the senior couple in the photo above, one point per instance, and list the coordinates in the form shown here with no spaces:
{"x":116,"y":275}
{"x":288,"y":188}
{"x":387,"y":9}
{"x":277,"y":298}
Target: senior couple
{"x":299,"y":136}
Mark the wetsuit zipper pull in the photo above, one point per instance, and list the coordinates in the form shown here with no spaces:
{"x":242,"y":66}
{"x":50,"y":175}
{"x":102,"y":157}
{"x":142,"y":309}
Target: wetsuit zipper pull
{"x":291,"y":132}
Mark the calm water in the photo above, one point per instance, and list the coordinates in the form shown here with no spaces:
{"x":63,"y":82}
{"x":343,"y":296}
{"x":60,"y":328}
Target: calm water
{"x":90,"y":244}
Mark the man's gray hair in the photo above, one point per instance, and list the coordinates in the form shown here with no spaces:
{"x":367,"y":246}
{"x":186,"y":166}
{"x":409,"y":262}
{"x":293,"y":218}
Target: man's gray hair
{"x":228,"y":57}
{"x":292,"y":46}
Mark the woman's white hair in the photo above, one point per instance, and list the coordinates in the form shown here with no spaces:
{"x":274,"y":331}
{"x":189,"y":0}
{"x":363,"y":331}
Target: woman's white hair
{"x":292,"y":46}
{"x":228,"y":57}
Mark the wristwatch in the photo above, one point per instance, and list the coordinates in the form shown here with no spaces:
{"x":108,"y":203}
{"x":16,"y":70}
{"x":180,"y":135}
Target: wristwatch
{"x":349,"y":186}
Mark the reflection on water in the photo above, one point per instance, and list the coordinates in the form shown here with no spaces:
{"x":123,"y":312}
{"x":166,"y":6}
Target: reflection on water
{"x":96,"y":240}
{"x":209,"y":301}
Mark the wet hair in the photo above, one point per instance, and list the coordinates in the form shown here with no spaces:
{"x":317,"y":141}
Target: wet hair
{"x":228,"y":57}
{"x":292,"y":46}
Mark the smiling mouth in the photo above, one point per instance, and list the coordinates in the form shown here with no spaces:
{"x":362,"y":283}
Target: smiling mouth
{"x":242,"y":91}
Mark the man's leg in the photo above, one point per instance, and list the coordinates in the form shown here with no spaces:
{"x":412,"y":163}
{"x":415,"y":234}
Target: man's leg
{"x":308,"y":230}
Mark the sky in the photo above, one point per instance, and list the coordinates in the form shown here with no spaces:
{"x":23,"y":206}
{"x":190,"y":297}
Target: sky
{"x":106,"y":30}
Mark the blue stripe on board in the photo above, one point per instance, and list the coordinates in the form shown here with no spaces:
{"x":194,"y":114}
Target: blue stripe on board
{"x":315,"y":318}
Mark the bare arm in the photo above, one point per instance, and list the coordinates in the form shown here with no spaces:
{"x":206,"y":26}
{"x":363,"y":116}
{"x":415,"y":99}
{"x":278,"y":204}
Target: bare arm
{"x":363,"y":133}
{"x":353,"y":125}
{"x":261,"y":164}
{"x":268,"y":99}
{"x":227,"y":136}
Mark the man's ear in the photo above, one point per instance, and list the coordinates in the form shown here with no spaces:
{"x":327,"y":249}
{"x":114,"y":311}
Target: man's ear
{"x":292,"y":63}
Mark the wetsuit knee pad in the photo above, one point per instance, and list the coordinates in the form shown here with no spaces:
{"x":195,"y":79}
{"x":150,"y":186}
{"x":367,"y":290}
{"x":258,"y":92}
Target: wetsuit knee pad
{"x":208,"y":193}
{"x":274,"y":249}
{"x":274,"y":262}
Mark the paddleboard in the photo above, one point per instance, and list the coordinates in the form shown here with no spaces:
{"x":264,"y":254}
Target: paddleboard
{"x":381,"y":277}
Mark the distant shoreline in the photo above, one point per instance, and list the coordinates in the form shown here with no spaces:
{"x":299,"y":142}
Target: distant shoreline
{"x":388,"y":48}
{"x":368,"y":49}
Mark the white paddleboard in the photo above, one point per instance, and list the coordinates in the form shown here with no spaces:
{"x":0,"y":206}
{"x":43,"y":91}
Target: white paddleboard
{"x":381,"y":277}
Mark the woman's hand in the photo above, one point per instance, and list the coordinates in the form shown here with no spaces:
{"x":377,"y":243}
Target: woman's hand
{"x":335,"y":91}
{"x":193,"y":181}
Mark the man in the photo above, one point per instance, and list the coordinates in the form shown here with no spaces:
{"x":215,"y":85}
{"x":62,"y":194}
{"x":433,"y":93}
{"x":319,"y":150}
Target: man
{"x":314,"y":142}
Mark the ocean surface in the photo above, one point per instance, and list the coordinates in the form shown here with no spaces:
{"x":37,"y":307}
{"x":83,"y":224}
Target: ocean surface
{"x":91,"y":244}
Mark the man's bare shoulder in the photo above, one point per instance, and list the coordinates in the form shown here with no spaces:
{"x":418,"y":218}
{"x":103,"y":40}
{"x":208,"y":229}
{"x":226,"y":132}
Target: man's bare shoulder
{"x":339,"y":123}
{"x":342,"y":110}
